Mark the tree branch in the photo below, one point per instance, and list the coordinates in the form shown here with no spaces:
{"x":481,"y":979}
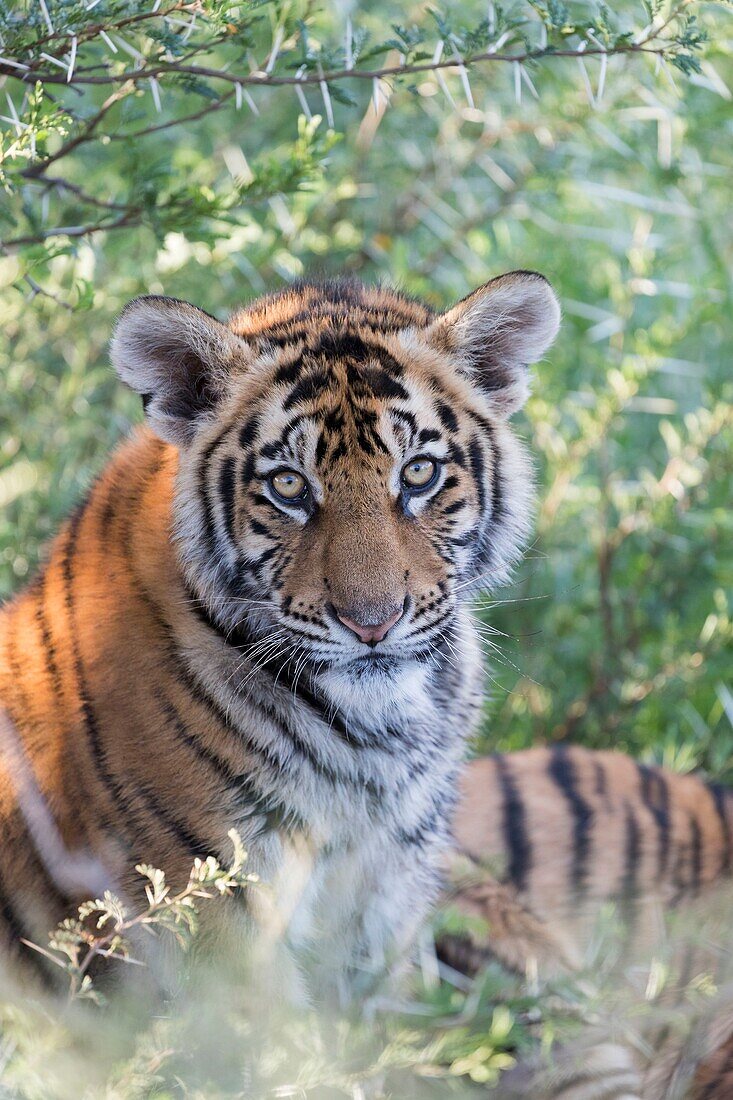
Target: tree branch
{"x":87,"y":133}
{"x":262,"y":79}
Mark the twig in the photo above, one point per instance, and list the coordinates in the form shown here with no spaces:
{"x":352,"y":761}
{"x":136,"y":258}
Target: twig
{"x":262,"y":79}
{"x":87,"y":133}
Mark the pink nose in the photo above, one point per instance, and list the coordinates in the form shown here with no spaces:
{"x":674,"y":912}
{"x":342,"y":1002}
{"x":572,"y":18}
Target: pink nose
{"x":372,"y":632}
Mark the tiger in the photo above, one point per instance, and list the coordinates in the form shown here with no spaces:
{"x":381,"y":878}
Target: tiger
{"x":259,"y":617}
{"x":550,"y":842}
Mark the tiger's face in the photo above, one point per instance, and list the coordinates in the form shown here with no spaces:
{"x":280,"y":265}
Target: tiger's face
{"x":347,"y":475}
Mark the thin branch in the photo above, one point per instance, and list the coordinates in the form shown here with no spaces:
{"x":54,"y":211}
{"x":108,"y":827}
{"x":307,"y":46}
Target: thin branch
{"x":58,"y":181}
{"x":129,"y":219}
{"x":209,"y":109}
{"x":37,"y":289}
{"x":265,"y":80}
{"x":94,"y":30}
{"x":87,"y":133}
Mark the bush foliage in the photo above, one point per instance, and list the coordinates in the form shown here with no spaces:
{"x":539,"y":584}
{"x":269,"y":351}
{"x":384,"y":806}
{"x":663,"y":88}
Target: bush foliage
{"x":432,"y":150}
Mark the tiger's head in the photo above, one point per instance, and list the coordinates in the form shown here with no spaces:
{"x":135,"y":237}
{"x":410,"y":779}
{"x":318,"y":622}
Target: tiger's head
{"x":347,"y":474}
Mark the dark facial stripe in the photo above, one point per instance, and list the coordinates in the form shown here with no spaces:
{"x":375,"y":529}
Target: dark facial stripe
{"x":238,"y":636}
{"x":227,"y":484}
{"x":429,"y":435}
{"x":562,"y":772}
{"x":248,"y":432}
{"x":288,"y":372}
{"x":497,"y":480}
{"x":447,"y":417}
{"x":308,"y":388}
{"x":655,"y":796}
{"x":381,"y":385}
{"x":514,"y":826}
{"x":203,"y":488}
{"x":478,"y":470}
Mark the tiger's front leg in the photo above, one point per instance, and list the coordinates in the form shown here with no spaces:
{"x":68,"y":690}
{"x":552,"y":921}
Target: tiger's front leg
{"x":360,"y":921}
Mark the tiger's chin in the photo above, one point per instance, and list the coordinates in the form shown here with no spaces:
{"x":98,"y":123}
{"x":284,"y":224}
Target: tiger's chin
{"x":368,"y":686}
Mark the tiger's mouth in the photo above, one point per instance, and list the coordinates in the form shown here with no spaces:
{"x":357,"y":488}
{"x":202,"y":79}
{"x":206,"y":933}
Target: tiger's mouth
{"x":420,"y":643}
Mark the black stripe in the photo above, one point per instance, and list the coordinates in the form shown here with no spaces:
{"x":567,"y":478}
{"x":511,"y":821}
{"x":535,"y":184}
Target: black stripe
{"x":497,"y":479}
{"x":428,"y":435}
{"x":381,"y":385}
{"x":457,"y":454}
{"x":274,"y":812}
{"x":91,"y":729}
{"x":655,"y":796}
{"x":202,"y":480}
{"x":720,"y":797}
{"x":514,"y":826}
{"x":98,"y":752}
{"x":288,"y":372}
{"x":695,"y":854}
{"x":227,"y":483}
{"x":49,"y":649}
{"x":308,"y":388}
{"x":478,"y":470}
{"x":238,"y":636}
{"x":447,"y":417}
{"x":248,"y":432}
{"x":562,"y":771}
{"x":60,"y":901}
{"x":632,"y":852}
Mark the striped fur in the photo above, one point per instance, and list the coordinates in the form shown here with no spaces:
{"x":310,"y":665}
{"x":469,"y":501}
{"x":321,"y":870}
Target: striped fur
{"x":546,"y":841}
{"x":182,"y":667}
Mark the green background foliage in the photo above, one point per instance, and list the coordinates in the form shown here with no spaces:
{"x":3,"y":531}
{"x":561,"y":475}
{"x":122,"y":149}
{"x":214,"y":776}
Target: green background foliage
{"x":617,"y":631}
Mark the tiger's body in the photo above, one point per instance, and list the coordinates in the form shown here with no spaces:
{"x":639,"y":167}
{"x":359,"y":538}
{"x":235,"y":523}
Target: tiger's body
{"x":589,"y":864}
{"x":567,"y":830}
{"x":203,"y":650}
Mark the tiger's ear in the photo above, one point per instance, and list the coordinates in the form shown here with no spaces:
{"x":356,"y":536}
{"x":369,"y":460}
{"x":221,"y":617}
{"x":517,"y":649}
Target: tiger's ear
{"x":497,"y":331}
{"x":179,"y":359}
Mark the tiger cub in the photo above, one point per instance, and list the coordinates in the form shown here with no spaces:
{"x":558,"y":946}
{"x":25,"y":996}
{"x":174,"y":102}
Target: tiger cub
{"x":258,"y":619}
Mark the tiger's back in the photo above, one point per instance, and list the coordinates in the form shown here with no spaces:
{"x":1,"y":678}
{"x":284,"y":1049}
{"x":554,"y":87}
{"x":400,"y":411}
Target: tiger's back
{"x":570,"y":829}
{"x":589,"y":864}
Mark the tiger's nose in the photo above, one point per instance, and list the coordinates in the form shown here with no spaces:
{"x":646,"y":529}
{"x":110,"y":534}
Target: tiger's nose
{"x":370,"y":633}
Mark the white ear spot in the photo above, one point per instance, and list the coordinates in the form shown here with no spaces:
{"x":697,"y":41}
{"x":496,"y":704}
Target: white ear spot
{"x":496,"y":332}
{"x":178,"y":358}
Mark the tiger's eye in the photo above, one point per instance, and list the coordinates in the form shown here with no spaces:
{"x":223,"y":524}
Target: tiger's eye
{"x":420,"y":473}
{"x":289,"y":485}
